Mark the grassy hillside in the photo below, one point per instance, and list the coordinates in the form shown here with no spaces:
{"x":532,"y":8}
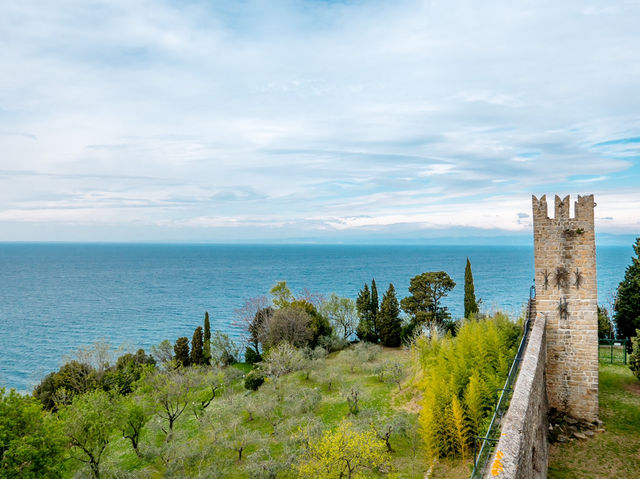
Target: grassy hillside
{"x":614,"y":453}
{"x":262,"y":433}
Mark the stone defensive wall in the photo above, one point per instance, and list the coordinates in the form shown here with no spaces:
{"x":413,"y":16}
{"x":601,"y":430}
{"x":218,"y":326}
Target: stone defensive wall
{"x":522,"y":450}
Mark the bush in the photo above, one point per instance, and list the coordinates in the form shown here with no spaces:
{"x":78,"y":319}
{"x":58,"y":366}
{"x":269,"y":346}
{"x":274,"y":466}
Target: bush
{"x":251,"y":357}
{"x":254,"y":380}
{"x":634,"y":359}
{"x":460,"y":376}
{"x":332,"y":343}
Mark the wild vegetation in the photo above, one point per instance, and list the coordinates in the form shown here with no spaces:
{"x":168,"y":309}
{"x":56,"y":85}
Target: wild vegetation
{"x":460,"y":376}
{"x":309,"y":400}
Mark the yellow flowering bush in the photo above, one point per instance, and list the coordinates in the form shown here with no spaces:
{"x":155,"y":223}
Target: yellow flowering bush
{"x":345,"y":453}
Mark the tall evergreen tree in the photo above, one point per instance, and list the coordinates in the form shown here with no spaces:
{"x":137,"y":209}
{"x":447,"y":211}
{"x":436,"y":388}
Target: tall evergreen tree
{"x":627,"y":307}
{"x":470,"y":304}
{"x":181,"y":351}
{"x":389,"y":318}
{"x":365,"y":330}
{"x":374,"y":308}
{"x":197,"y":353}
{"x":206,"y":352}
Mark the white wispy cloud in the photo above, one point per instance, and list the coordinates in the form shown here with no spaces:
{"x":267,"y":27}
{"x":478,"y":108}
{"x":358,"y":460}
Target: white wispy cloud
{"x":278,"y":119}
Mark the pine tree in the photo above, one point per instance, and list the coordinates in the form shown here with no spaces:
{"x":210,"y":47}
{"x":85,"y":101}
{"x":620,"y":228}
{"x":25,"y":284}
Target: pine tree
{"x":627,"y":307}
{"x":197,"y":353}
{"x":206,"y":352}
{"x":388,"y":318}
{"x":181,"y":350}
{"x":470,"y":304}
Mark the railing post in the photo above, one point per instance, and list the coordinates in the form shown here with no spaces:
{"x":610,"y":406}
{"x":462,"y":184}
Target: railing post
{"x":611,"y":348}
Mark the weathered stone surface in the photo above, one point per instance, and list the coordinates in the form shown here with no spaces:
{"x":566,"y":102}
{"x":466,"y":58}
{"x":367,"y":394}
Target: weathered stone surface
{"x":566,"y":292}
{"x":522,"y":451}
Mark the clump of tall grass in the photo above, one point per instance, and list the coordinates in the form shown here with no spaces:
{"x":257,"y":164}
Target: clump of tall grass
{"x":460,"y":379}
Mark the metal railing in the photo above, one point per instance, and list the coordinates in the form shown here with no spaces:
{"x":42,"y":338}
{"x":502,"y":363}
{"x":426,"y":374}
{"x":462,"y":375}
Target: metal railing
{"x":488,"y":441}
{"x":613,"y":351}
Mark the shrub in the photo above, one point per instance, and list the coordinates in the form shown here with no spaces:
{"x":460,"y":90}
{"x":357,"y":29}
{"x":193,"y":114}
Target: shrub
{"x":332,"y":343}
{"x":634,"y":359}
{"x":344,"y":453}
{"x":251,"y":357}
{"x":254,"y":380}
{"x":282,"y":359}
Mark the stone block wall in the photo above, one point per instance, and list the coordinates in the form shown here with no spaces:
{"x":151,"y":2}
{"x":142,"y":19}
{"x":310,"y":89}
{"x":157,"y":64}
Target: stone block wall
{"x":566,"y":292}
{"x":522,"y":451}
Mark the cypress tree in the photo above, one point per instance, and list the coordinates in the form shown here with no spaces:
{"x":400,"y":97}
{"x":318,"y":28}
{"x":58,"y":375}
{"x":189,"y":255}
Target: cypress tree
{"x":197,"y":354}
{"x":206,"y":353}
{"x":365,"y":330}
{"x":181,"y":350}
{"x":389,"y":318}
{"x":374,"y":310}
{"x":470,"y":304}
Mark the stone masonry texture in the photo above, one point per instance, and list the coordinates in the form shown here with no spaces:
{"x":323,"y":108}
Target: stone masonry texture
{"x":566,"y":293}
{"x":522,"y":451}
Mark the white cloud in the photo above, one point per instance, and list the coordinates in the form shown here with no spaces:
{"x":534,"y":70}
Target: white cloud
{"x":301,"y":116}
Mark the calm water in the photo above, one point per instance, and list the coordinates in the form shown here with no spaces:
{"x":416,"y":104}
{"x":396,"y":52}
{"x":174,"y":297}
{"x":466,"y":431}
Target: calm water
{"x":55,"y":297}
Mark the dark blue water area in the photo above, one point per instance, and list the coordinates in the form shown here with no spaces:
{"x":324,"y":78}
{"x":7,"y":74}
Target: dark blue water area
{"x":56,"y":297}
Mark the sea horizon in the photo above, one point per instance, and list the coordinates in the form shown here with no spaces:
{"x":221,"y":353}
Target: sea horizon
{"x":58,"y":296}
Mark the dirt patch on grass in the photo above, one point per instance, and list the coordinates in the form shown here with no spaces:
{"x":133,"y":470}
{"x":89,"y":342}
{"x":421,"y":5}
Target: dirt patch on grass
{"x":633,"y":388}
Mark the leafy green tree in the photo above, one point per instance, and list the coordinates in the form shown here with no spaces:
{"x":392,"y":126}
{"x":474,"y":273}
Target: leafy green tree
{"x":627,"y":306}
{"x":135,"y":416}
{"x":318,"y":323}
{"x":342,"y":314}
{"x":470,"y":304}
{"x":207,"y":339}
{"x":169,"y":394}
{"x":181,"y":351}
{"x":197,"y":352}
{"x":604,"y":324}
{"x":60,"y":387}
{"x":128,"y":369}
{"x":427,"y":290}
{"x":282,"y":295}
{"x":88,"y":423}
{"x":31,"y":440}
{"x":389,"y":320}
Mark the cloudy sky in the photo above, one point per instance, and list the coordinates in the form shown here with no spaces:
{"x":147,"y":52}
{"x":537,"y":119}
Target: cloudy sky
{"x":313,"y":120}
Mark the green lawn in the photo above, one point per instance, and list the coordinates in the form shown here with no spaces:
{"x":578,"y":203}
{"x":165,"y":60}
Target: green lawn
{"x":614,"y":453}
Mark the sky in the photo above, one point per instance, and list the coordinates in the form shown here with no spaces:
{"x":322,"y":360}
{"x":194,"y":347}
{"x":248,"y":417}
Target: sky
{"x":314,"y":121}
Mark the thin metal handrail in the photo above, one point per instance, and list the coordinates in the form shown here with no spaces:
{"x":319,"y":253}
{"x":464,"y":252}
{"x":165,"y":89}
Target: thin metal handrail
{"x":491,"y":437}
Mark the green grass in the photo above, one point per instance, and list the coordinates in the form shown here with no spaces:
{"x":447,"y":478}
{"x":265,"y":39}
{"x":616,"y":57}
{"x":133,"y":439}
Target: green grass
{"x":614,"y":453}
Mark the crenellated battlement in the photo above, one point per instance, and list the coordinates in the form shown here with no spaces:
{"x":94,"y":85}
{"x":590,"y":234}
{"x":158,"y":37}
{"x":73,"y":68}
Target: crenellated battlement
{"x":583,"y":208}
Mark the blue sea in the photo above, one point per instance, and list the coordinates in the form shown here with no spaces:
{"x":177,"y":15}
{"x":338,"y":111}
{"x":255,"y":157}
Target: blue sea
{"x":56,"y":297}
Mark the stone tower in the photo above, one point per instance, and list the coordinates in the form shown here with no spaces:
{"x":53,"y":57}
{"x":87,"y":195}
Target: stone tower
{"x":566,"y":292}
